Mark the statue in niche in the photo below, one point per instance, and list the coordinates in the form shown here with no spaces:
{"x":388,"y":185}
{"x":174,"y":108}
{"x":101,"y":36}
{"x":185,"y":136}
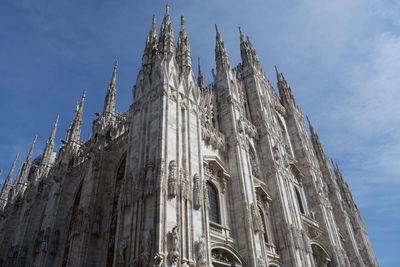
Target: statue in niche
{"x":257,"y":221}
{"x":55,"y":242}
{"x":38,"y":242}
{"x":185,"y":187}
{"x":127,"y":191}
{"x":254,"y":167}
{"x":205,"y":194}
{"x":201,"y":254}
{"x":197,"y":194}
{"x":149,"y":180}
{"x":144,"y":257}
{"x":96,"y":227}
{"x":23,"y":256}
{"x":77,"y":222}
{"x":45,"y":240}
{"x":307,"y":241}
{"x":261,"y":262}
{"x":172,"y":180}
{"x":122,"y":246}
{"x":173,"y":251}
{"x":85,"y":228}
{"x":158,"y":259}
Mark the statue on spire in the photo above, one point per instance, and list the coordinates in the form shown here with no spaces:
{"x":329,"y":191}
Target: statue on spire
{"x":7,"y":185}
{"x":46,"y":161}
{"x":74,"y":129}
{"x":21,"y":182}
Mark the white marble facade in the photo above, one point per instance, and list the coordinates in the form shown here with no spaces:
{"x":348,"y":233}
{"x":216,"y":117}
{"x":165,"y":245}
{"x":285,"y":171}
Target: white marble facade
{"x":191,"y":175}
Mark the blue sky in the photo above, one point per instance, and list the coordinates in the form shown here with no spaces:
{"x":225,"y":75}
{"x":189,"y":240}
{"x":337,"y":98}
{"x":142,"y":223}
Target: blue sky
{"x":342,"y":59}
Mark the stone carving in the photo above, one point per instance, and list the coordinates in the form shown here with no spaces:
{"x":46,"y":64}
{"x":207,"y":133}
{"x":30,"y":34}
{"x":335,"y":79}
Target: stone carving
{"x":45,"y":240}
{"x":173,"y":251}
{"x":77,"y":223}
{"x":38,"y":242}
{"x":261,"y":262}
{"x":127,"y":191}
{"x":253,"y":162}
{"x":205,"y":194}
{"x":55,"y":242}
{"x":185,"y":187}
{"x":201,"y":252}
{"x":297,"y":238}
{"x":197,"y":194}
{"x":122,"y":245}
{"x":158,"y":259}
{"x":307,"y":241}
{"x":23,"y":256}
{"x":149,"y":180}
{"x":256,"y":217}
{"x":172,"y":180}
{"x":144,"y":257}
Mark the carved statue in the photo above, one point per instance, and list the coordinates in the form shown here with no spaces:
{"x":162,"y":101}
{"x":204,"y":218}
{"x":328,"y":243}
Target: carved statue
{"x":172,"y":180}
{"x":205,"y":194}
{"x":197,"y":194}
{"x":185,"y":186}
{"x":200,"y":248}
{"x":77,"y":222}
{"x":45,"y":240}
{"x":307,"y":241}
{"x":261,"y":262}
{"x":38,"y":242}
{"x":257,"y":221}
{"x":173,"y":251}
{"x":144,"y":257}
{"x":149,"y":183}
{"x":55,"y":242}
{"x":96,"y":227}
{"x":127,"y":191}
{"x":158,"y":259}
{"x":122,"y":245}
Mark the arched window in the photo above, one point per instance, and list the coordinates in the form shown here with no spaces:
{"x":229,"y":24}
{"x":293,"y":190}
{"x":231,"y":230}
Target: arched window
{"x":213,"y":208}
{"x":299,"y":201}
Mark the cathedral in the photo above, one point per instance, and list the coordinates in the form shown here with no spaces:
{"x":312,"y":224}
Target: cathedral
{"x":224,"y":174}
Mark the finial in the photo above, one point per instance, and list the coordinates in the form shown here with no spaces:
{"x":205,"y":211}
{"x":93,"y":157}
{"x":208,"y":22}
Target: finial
{"x":216,"y":28}
{"x":153,"y":20}
{"x":115,"y":64}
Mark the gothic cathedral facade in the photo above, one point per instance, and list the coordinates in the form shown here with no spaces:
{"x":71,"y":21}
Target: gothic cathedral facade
{"x":225,"y":174}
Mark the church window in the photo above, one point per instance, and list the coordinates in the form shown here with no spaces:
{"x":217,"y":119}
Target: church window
{"x":213,"y":209}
